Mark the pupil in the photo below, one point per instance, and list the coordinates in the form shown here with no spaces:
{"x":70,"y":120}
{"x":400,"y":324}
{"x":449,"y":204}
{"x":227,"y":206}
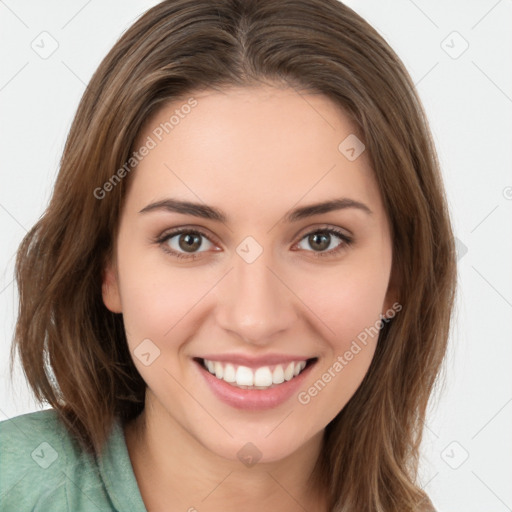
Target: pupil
{"x":314,"y":238}
{"x":189,"y":241}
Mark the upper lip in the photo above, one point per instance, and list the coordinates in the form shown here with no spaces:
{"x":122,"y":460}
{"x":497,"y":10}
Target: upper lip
{"x":255,"y":362}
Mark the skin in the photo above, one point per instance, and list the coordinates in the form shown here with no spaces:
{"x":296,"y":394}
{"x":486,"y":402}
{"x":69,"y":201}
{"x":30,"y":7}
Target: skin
{"x":255,"y":153}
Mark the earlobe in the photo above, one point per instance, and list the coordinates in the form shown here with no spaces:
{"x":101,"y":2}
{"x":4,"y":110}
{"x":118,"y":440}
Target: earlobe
{"x":392,"y":301}
{"x":110,"y":289}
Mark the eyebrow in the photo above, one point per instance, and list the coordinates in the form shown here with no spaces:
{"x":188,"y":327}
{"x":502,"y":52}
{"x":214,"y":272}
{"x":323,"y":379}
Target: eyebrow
{"x":212,"y":213}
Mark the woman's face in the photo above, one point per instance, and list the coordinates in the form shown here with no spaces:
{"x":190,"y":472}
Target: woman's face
{"x":219,"y":257}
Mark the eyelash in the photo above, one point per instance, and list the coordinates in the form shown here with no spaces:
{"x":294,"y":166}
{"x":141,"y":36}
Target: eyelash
{"x":346,"y":241}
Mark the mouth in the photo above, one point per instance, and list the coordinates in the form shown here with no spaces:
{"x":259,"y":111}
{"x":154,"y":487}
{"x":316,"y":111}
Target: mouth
{"x":255,"y":378}
{"x":245,"y":384}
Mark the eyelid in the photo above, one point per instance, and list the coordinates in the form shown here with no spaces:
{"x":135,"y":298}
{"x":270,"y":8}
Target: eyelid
{"x":345,"y":241}
{"x":168,"y":233}
{"x":323,"y":227}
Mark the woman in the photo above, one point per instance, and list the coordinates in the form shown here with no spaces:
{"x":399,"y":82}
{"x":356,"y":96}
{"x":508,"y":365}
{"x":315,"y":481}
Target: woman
{"x":240,"y":293}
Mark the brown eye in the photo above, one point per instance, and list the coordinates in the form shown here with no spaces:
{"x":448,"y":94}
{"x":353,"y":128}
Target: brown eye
{"x":319,"y":241}
{"x":323,"y":241}
{"x":185,"y":243}
{"x":189,"y":242}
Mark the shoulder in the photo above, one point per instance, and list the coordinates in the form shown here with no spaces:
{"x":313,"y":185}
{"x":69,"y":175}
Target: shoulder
{"x":27,"y":426}
{"x":38,"y":461}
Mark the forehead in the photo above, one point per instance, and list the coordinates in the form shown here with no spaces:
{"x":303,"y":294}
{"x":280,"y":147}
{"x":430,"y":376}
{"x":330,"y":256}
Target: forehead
{"x":258,"y":148}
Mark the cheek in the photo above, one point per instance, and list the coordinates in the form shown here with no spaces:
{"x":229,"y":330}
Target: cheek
{"x":333,"y":384}
{"x":156,"y":300}
{"x":158,"y":314}
{"x":349,"y":304}
{"x":348,"y":300}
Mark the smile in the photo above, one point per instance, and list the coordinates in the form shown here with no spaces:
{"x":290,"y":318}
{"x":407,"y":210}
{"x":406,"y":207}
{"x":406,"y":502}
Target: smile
{"x":254,"y":383}
{"x":264,"y":377}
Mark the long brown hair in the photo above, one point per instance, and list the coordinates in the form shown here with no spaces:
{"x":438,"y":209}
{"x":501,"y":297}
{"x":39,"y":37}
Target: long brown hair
{"x":74,"y":350}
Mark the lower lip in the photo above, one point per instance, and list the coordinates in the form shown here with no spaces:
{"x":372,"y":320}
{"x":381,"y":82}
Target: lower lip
{"x":253,"y":399}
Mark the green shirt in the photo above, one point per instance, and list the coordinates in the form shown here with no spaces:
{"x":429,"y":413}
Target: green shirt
{"x":43,"y":469}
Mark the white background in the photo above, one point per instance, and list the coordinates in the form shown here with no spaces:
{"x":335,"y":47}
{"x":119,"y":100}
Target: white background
{"x":468,"y":100}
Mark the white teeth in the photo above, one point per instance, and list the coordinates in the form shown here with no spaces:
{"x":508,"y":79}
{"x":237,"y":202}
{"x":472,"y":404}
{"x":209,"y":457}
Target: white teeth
{"x":278,"y":374}
{"x":299,"y":367}
{"x":260,"y":378}
{"x":229,"y":373}
{"x":288,"y":373}
{"x":219,"y":370}
{"x":244,"y":376}
{"x":263,"y":377}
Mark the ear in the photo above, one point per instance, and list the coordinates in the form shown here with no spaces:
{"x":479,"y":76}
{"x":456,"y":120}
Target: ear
{"x":393,"y":292}
{"x":110,"y":288}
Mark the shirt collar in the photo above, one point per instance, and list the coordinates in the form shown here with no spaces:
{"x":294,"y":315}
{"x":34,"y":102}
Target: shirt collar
{"x":117,"y":473}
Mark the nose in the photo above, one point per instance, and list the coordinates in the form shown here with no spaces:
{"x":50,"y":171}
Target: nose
{"x":255,"y":303}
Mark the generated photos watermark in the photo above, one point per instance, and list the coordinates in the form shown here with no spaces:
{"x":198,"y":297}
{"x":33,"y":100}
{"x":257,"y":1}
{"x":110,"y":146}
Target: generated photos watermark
{"x":304,"y":397}
{"x":157,"y":135}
